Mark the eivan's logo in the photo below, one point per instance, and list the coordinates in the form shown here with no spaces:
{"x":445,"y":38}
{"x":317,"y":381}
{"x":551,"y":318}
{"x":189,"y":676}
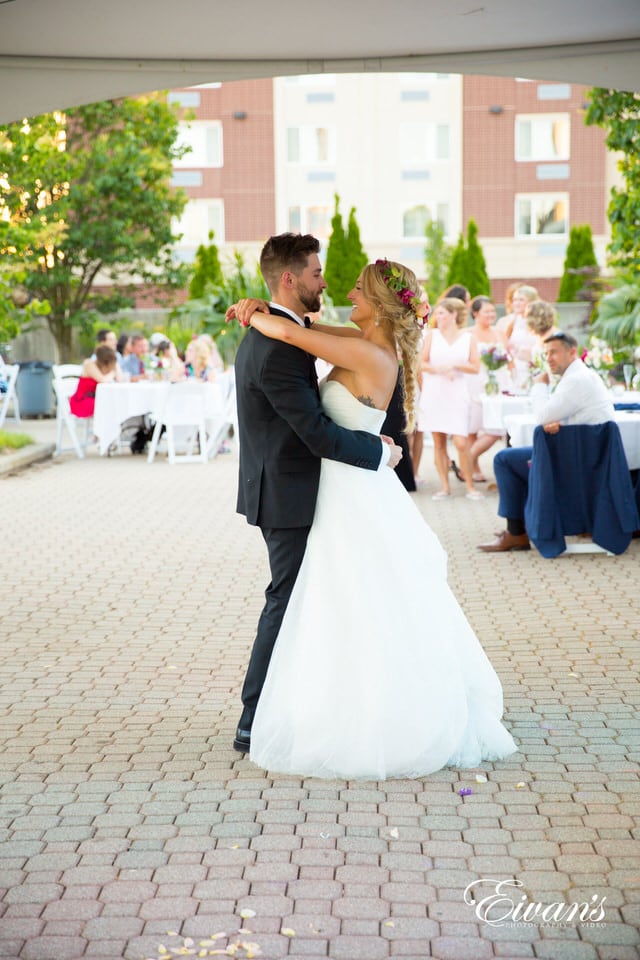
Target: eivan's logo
{"x":504,"y":904}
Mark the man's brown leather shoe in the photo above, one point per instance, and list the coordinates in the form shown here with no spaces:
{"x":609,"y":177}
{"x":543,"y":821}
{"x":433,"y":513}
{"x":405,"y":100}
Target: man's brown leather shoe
{"x":506,"y":541}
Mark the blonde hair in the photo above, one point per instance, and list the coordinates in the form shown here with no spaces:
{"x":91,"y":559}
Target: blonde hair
{"x":509,"y":294}
{"x":402,"y":323}
{"x":201,"y":351}
{"x":541,"y":317}
{"x":453,"y":305}
{"x":529,"y":293}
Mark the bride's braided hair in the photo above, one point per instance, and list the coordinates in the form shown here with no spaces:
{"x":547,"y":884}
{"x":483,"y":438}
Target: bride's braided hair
{"x":401,"y":307}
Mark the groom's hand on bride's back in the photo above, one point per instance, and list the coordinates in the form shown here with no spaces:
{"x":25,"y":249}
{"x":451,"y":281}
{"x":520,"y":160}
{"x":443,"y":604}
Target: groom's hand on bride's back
{"x":243,"y":310}
{"x":395,"y":455}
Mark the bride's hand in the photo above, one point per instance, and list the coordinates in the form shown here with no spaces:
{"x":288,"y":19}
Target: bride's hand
{"x":395,"y":455}
{"x":246,"y":307}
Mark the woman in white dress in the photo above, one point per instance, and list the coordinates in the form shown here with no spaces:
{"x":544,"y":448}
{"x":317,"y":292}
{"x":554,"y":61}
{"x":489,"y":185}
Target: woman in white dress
{"x":361,"y":684}
{"x":486,"y":335}
{"x":520,"y":340}
{"x":448,"y":354}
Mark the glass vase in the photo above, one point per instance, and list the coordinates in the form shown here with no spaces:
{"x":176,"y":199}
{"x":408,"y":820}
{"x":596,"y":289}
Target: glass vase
{"x":491,"y":387}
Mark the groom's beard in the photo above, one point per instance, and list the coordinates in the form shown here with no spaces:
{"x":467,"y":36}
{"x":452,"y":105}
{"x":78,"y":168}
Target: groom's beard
{"x":310,"y":300}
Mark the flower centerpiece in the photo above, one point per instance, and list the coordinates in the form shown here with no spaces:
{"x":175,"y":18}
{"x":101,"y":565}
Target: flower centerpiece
{"x":599,"y":356}
{"x":494,"y":356}
{"x":159,"y":368}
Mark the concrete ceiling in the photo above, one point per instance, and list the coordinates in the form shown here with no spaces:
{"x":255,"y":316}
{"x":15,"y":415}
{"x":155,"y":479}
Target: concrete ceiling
{"x":60,"y":53}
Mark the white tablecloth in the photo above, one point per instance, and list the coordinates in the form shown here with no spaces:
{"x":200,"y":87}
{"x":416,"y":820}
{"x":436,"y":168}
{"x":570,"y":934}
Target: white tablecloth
{"x":522,"y":425}
{"x":116,"y":402}
{"x":498,"y":406}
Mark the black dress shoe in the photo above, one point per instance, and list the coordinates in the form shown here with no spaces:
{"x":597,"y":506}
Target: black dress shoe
{"x":242,"y":740}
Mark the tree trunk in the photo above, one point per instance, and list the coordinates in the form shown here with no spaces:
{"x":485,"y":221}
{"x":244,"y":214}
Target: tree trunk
{"x":63,"y":334}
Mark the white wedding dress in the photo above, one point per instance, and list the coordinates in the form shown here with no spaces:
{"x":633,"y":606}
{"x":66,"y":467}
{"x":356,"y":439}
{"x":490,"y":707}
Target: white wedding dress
{"x":376,"y":672}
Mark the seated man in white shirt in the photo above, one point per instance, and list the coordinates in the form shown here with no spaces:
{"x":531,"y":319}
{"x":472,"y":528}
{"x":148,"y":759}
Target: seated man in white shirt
{"x":580,"y":397}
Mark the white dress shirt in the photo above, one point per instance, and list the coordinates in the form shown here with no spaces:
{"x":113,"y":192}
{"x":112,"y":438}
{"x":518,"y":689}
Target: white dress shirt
{"x":579,"y":397}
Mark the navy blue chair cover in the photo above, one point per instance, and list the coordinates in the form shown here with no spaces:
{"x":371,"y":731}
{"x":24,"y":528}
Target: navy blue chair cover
{"x":579,"y":483}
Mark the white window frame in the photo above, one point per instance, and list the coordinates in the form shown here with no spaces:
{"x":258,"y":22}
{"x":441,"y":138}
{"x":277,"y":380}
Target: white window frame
{"x":432,"y":214}
{"x":205,"y":138}
{"x":539,"y":201}
{"x":306,"y":223}
{"x":418,"y":144}
{"x":308,"y":154}
{"x":199,"y":217}
{"x":538,"y":153}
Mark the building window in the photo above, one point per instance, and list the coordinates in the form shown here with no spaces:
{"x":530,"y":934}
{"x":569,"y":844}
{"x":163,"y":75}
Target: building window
{"x":198,"y":218}
{"x":313,"y":218}
{"x":542,"y":137}
{"x":540,"y":214}
{"x":310,"y":145}
{"x":423,"y":143}
{"x":205,"y":140}
{"x":415,"y":219}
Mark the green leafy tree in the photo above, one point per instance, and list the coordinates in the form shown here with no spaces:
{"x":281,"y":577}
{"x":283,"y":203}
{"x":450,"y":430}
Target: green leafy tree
{"x":206,"y":270}
{"x":477,"y":278}
{"x":87,"y":194}
{"x":357,"y":259}
{"x":437,"y":255}
{"x":580,"y":265}
{"x":467,"y":265}
{"x":457,"y":264}
{"x":206,"y":314}
{"x":337,"y":271}
{"x":17,"y":309}
{"x":618,"y":112}
{"x":617,"y":317}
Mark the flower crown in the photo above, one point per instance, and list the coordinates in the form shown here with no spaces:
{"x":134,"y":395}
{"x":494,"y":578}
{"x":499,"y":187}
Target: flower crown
{"x":416,"y":301}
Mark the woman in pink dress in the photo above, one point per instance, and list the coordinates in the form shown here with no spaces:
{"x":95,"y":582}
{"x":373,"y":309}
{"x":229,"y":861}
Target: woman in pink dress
{"x":449,"y":352}
{"x":101,"y":370}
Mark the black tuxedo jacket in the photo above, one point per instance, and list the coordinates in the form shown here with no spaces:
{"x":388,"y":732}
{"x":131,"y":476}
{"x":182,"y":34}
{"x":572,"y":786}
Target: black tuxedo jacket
{"x":283,"y":433}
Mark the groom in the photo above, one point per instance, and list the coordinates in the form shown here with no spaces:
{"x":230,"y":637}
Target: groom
{"x":283,"y":433}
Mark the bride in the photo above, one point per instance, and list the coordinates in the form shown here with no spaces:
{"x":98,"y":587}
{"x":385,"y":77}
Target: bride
{"x":376,"y":672}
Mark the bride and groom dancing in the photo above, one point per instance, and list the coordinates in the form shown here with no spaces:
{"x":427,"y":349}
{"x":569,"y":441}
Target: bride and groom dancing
{"x":363,"y":665}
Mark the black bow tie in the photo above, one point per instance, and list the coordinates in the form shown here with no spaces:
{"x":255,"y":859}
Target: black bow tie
{"x":307,"y":322}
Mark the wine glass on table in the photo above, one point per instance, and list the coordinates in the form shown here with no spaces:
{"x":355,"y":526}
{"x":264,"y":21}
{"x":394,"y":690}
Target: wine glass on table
{"x":628,"y":370}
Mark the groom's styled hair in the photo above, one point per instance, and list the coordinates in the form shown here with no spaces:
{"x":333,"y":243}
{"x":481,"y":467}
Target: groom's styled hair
{"x":286,"y":251}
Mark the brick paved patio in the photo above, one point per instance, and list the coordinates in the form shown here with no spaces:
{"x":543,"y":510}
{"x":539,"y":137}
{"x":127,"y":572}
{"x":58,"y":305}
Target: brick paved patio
{"x":128,"y":825}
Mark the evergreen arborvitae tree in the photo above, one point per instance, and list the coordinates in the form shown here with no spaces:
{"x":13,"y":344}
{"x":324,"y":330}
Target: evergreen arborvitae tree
{"x":437,"y":255}
{"x":207,"y":270}
{"x":579,"y":264}
{"x":457,"y":264}
{"x":356,"y":256}
{"x":476,"y":278}
{"x":337,"y":271}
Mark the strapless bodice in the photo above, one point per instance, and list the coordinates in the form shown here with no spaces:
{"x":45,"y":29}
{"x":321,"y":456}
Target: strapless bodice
{"x":345,"y":410}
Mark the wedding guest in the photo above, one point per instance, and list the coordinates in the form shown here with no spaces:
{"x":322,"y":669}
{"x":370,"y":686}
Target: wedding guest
{"x":199,"y":362}
{"x":123,"y":347}
{"x":520,"y":340}
{"x":133,"y":364}
{"x":542,"y":320}
{"x":104,"y":369}
{"x":395,"y":426}
{"x":448,"y":353}
{"x":4,"y":378}
{"x":459,"y":292}
{"x":486,"y":335}
{"x":167,"y":355}
{"x":216,"y":359}
{"x":580,"y":397}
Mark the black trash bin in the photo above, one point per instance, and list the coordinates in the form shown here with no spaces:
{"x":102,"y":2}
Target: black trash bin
{"x":35,"y":388}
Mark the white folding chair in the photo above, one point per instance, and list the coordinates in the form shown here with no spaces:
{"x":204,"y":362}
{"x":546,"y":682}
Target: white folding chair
{"x":11,"y":396}
{"x":65,"y":381}
{"x":228,"y":415}
{"x":182,"y":405}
